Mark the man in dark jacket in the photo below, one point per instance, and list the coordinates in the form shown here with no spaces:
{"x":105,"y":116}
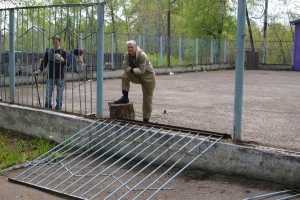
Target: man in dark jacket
{"x":55,"y":60}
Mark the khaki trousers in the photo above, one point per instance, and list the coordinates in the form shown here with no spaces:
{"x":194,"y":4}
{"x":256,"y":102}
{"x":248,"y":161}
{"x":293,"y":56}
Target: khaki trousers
{"x":147,"y":88}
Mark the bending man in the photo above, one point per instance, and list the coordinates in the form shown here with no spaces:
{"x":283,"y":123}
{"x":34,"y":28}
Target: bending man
{"x":138,"y":70}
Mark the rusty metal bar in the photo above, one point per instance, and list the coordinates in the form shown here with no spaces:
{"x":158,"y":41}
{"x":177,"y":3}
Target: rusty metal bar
{"x":173,"y":128}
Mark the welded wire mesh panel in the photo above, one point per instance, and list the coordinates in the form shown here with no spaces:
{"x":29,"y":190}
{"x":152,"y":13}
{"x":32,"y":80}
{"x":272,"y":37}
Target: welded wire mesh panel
{"x":76,"y":25}
{"x":107,"y":160}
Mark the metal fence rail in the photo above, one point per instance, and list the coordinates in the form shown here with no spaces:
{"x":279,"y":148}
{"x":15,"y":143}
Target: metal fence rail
{"x":107,"y":159}
{"x":280,"y":195}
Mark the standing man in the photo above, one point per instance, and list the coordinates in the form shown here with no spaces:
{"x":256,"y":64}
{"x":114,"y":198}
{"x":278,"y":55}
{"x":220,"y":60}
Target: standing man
{"x":55,"y":59}
{"x":138,"y":70}
{"x":76,"y":55}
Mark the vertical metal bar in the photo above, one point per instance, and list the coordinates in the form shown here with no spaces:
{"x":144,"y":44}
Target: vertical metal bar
{"x":97,"y":66}
{"x":211,"y":51}
{"x":161,"y":50}
{"x":239,"y":71}
{"x":87,"y":28}
{"x":225,"y":51}
{"x":1,"y":19}
{"x":4,"y":42}
{"x":180,"y":49}
{"x":100,"y":59}
{"x":12,"y":70}
{"x":112,"y":50}
{"x":27,"y":57}
{"x":22,"y":40}
{"x":32,"y":60}
{"x":293,"y":54}
{"x":197,"y":52}
{"x":139,"y":40}
{"x":18,"y":62}
{"x":44,"y":41}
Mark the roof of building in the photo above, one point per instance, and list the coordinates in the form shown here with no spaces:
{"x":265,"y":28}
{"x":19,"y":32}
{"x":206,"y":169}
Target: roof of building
{"x":295,"y":22}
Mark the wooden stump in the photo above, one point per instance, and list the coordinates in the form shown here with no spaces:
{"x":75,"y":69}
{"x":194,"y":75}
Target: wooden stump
{"x":121,"y":111}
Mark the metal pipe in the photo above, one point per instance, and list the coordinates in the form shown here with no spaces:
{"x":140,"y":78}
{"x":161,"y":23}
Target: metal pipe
{"x":100,"y":59}
{"x":264,"y":196}
{"x":290,"y":197}
{"x":180,"y":51}
{"x":12,"y":69}
{"x":161,"y":51}
{"x":197,"y":52}
{"x":239,"y":71}
{"x":112,"y":51}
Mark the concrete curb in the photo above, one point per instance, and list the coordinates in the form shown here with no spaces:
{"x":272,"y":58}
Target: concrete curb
{"x":268,"y":164}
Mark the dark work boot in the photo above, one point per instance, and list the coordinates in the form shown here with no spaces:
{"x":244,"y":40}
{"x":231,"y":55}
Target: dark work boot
{"x":123,"y":99}
{"x":146,"y":120}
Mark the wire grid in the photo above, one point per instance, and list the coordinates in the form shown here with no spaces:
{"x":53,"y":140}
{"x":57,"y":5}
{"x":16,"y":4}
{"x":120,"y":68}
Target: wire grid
{"x":109,"y":161}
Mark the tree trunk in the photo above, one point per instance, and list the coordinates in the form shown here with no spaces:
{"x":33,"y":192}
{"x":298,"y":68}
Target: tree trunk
{"x":121,"y":111}
{"x":250,"y":30}
{"x":265,"y":33}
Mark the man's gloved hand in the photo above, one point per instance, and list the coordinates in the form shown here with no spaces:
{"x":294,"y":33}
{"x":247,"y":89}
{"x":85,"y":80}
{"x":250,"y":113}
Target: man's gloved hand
{"x":137,"y":71}
{"x":58,"y":57}
{"x":37,"y":72}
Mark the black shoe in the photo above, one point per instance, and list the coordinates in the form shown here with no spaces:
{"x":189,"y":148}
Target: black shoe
{"x":48,"y":105}
{"x":123,"y":99}
{"x":146,"y":120}
{"x":76,"y":72}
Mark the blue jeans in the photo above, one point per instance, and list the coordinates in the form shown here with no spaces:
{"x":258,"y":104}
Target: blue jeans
{"x":60,"y":86}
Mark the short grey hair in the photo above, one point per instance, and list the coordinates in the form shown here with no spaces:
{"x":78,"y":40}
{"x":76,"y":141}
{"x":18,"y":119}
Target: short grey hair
{"x":131,"y":42}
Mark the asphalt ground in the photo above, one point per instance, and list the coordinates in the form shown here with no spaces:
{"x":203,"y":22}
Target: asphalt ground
{"x":205,"y":100}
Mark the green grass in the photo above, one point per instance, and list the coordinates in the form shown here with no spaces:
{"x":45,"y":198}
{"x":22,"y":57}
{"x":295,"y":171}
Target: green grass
{"x":17,"y":148}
